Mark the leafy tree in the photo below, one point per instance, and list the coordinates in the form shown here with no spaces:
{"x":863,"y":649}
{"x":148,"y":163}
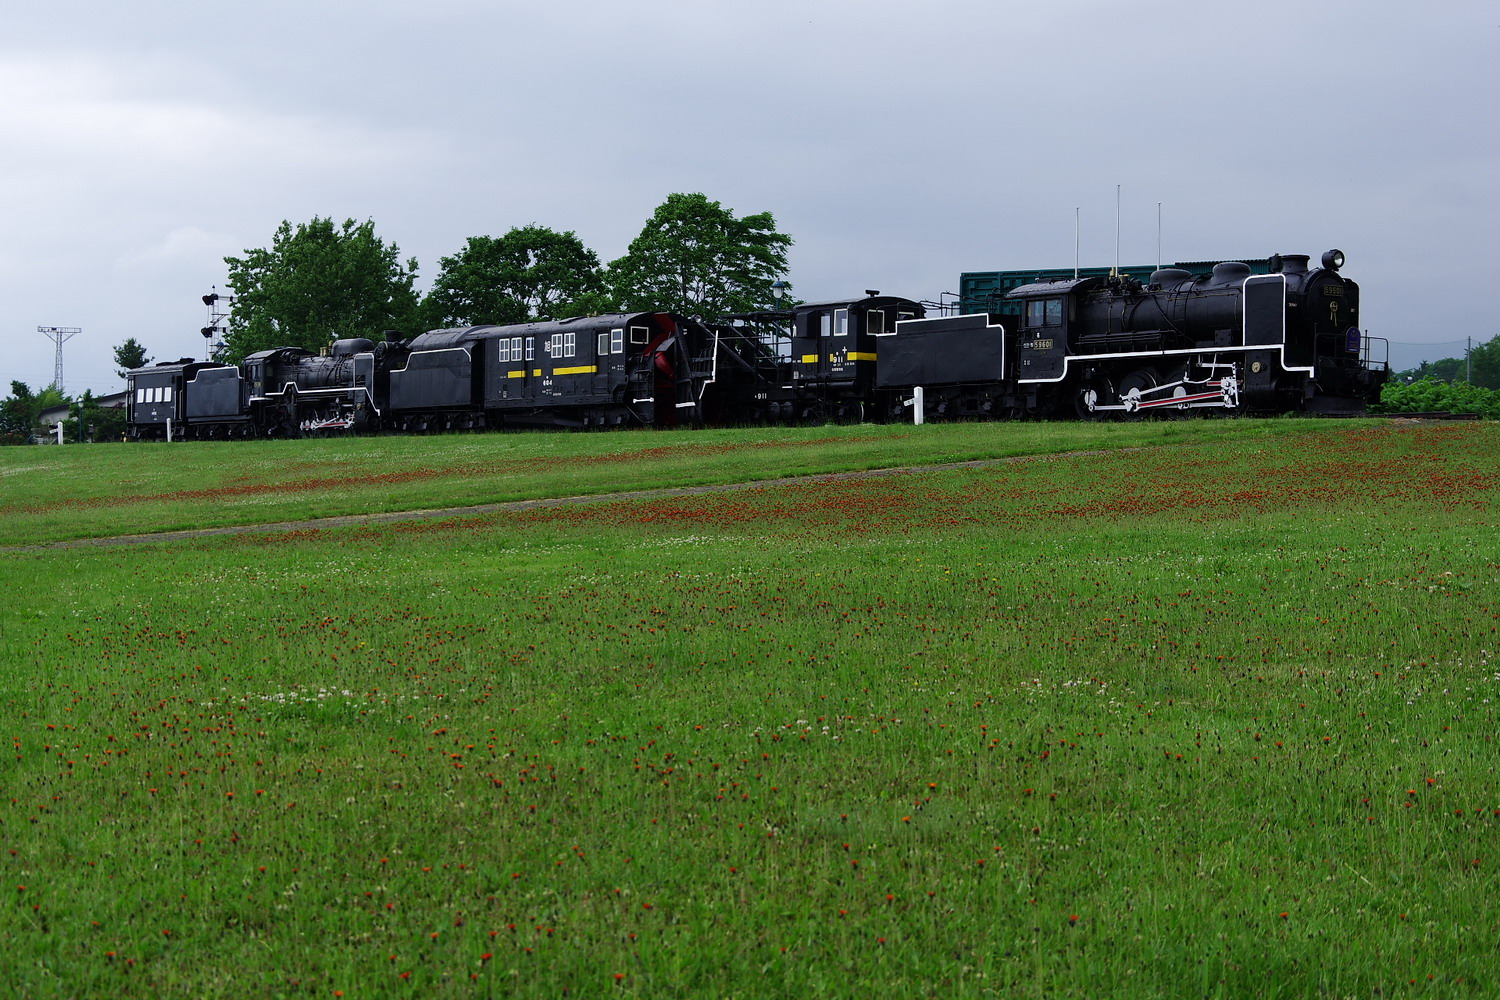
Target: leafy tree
{"x":1484,"y":364}
{"x":17,"y":414}
{"x":84,"y":420}
{"x":530,"y":273}
{"x":694,"y":257}
{"x":316,"y":284}
{"x":130,"y":355}
{"x":20,"y":411}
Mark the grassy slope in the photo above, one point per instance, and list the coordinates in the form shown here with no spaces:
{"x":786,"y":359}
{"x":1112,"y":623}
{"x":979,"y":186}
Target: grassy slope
{"x":49,"y":494}
{"x":1213,"y":719}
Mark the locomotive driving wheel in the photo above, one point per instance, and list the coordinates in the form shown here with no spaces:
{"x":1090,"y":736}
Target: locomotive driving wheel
{"x":1132,"y":386}
{"x":1087,"y":399}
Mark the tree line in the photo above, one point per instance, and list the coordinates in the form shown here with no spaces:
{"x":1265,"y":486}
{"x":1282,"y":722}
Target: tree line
{"x":1480,"y":367}
{"x":318,"y":281}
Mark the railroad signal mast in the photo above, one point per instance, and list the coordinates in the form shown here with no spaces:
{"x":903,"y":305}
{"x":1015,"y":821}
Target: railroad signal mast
{"x":219,"y":308}
{"x":59,"y":335}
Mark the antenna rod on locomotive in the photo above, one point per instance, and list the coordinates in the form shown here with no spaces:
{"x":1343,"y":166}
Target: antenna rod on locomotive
{"x":1076,"y":231}
{"x":1158,"y":236}
{"x":1116,"y":272}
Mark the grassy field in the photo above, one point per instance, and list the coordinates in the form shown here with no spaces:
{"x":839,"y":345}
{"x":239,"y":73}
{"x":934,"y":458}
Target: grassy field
{"x":1173,"y":709}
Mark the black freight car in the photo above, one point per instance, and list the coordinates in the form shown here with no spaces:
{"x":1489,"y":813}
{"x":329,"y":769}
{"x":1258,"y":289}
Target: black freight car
{"x":186,"y":399}
{"x":648,"y":369}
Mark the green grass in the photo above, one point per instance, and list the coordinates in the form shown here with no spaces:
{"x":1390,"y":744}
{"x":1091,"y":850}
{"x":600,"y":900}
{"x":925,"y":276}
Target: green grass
{"x":1211,"y":719}
{"x":53,"y":494}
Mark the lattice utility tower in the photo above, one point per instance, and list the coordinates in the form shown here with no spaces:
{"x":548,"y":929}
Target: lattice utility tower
{"x":59,"y":334}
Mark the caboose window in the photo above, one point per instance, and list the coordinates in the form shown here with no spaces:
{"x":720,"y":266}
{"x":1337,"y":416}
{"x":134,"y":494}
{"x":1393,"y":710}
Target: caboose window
{"x":166,"y":394}
{"x":825,"y":325}
{"x":515,"y":348}
{"x":530,"y":348}
{"x":603,"y":347}
{"x":840,"y":322}
{"x":502,"y":350}
{"x":140,"y":395}
{"x":570,"y":345}
{"x":617,"y":341}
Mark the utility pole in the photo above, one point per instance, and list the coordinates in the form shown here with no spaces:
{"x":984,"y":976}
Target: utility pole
{"x":59,"y":334}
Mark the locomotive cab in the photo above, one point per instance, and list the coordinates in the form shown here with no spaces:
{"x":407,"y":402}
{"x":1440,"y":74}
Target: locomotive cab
{"x":1046,"y":314}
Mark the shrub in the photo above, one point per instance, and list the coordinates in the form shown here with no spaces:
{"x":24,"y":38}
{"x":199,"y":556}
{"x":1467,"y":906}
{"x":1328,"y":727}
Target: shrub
{"x":1428,"y":395}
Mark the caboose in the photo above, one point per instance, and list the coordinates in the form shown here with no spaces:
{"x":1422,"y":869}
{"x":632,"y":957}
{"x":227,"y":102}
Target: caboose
{"x":835,"y":351}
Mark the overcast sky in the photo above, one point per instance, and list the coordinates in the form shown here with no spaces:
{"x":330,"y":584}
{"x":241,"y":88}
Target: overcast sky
{"x":899,"y":144}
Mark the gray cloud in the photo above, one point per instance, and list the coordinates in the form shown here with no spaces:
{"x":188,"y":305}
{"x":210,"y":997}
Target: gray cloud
{"x":898,"y":144}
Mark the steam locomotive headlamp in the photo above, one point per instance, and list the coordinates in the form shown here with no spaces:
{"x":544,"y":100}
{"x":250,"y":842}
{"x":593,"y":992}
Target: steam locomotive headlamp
{"x":1333,"y":260}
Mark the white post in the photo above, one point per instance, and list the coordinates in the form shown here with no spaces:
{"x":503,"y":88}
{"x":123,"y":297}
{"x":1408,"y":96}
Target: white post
{"x":169,"y":430}
{"x":918,"y":410}
{"x":58,"y":429}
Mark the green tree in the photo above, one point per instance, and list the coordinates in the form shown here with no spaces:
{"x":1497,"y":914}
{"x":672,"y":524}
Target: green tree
{"x":17,"y":414}
{"x":694,"y":257}
{"x":1484,"y":364}
{"x":530,"y":273}
{"x":318,"y":283}
{"x":20,"y":411}
{"x":129,"y":355}
{"x":83,"y":421}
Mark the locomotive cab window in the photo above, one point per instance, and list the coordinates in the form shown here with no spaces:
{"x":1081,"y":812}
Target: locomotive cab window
{"x":602,"y":347}
{"x":875,"y":323}
{"x":840,"y":322}
{"x":1043,"y":313}
{"x":617,"y":341}
{"x":638,"y":335}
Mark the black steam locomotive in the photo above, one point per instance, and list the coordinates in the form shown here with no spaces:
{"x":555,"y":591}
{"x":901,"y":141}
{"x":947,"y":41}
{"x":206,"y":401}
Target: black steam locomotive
{"x":1285,"y":341}
{"x":1090,"y":347}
